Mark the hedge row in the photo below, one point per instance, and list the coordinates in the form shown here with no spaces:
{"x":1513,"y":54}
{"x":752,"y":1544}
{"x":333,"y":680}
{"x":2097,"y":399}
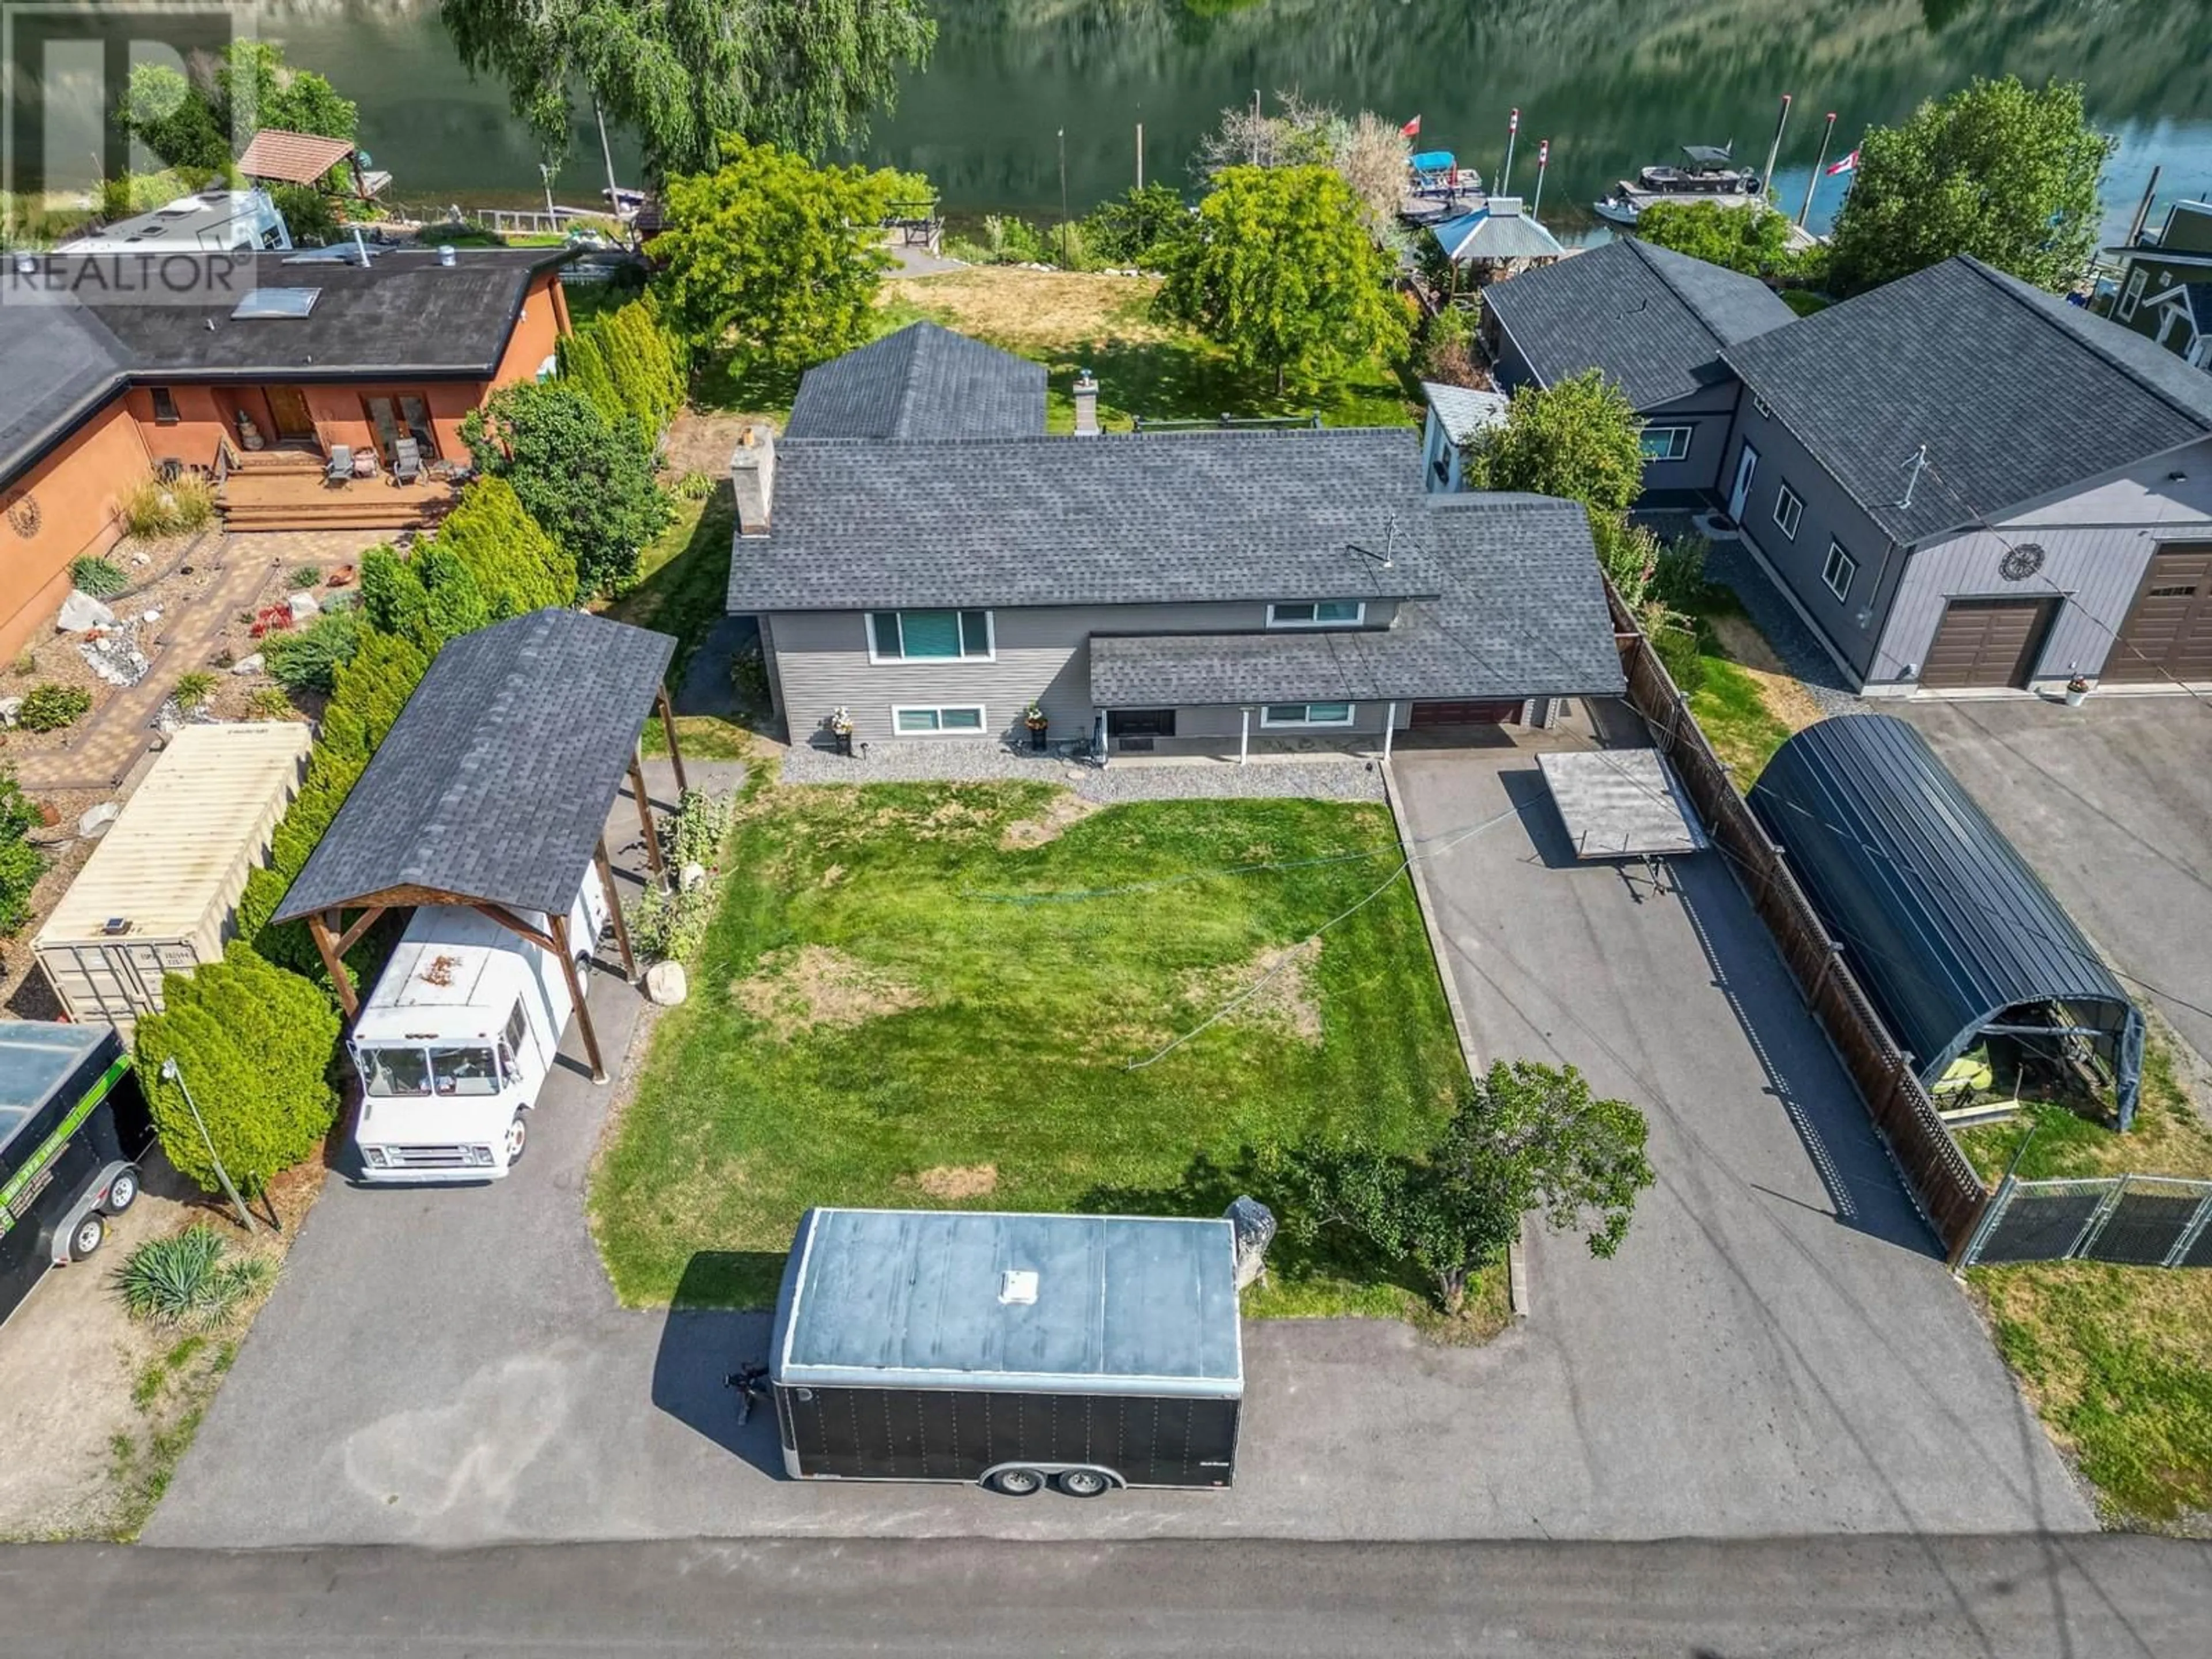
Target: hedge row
{"x":626,"y":364}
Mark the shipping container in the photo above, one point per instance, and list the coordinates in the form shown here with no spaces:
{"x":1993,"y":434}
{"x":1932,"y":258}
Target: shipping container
{"x":158,"y":894}
{"x":1012,"y":1351}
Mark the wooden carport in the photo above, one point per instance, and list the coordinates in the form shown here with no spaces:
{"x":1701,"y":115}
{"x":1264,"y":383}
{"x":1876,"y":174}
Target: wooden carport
{"x":492,"y":789}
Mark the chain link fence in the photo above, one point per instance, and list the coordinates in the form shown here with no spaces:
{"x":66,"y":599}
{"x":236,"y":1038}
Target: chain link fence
{"x":2139,"y":1221}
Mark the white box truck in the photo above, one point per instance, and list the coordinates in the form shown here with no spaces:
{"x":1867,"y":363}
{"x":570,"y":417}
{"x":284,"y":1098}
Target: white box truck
{"x":457,"y":1038}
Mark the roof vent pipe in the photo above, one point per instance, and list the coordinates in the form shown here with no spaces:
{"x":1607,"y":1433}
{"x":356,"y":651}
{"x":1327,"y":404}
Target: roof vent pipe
{"x":445,"y":253}
{"x":360,"y":246}
{"x":1086,"y":404}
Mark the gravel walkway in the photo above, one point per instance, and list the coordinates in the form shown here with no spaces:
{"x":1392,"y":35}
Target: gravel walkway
{"x":1351,"y":778}
{"x":1730,"y":564}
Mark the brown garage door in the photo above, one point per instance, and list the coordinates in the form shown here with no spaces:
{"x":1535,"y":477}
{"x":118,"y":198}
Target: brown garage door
{"x":2168,"y":632}
{"x":1987,"y":642}
{"x":1465,"y":714}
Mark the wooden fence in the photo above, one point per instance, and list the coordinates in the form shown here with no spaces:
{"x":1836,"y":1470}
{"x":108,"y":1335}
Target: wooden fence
{"x":1941,"y":1180}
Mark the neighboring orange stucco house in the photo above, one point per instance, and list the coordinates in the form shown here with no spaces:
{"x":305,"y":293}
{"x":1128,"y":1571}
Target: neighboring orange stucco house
{"x":96,"y":394}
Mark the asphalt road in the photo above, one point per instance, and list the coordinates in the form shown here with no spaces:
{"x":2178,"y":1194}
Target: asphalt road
{"x":1850,"y":1598}
{"x":2111,"y":804}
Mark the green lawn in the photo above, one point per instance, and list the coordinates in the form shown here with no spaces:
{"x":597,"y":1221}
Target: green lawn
{"x":904,"y":1002}
{"x":1748,"y":706}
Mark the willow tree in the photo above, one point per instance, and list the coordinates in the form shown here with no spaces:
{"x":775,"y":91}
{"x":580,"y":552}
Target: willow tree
{"x":802,"y":73}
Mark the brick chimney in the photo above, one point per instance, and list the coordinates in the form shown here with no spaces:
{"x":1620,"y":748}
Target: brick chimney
{"x":752,"y":477}
{"x":1086,"y":403}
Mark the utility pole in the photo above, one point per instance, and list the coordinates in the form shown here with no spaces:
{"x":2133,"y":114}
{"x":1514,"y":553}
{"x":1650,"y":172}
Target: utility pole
{"x":1512,"y":130}
{"x":1774,"y":150}
{"x":1819,"y":161}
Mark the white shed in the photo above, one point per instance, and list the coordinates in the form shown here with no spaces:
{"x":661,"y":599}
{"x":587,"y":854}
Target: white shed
{"x":159,"y":892}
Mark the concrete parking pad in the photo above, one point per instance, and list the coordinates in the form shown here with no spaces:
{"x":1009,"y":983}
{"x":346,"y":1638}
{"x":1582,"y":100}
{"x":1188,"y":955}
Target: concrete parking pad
{"x":450,"y":1367}
{"x":2111,"y":804}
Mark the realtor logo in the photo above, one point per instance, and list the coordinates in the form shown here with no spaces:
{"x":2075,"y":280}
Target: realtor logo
{"x":67,"y":70}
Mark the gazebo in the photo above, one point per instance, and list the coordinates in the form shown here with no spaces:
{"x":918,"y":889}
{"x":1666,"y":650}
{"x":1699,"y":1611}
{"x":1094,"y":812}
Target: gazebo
{"x":273,"y":156}
{"x":492,"y":789}
{"x":1496,"y":238}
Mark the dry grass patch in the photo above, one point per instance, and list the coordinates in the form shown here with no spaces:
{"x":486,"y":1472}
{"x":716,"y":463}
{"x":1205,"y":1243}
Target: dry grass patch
{"x":796,"y":990}
{"x":1784,"y":694}
{"x":1065,"y":809}
{"x":1284,"y":998}
{"x":1040,"y":309}
{"x":953,"y":1182}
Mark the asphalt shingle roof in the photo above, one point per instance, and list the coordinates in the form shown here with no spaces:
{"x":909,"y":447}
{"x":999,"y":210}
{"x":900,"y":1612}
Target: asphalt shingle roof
{"x":1652,"y":319}
{"x":1120,"y":519}
{"x":60,"y":363}
{"x":2016,"y":393}
{"x":1522,"y":613}
{"x":494,"y":782}
{"x":1464,"y":410}
{"x":923,"y":381}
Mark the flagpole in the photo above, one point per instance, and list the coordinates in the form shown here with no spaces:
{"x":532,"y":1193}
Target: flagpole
{"x":1774,"y":151}
{"x":1543,"y":160}
{"x":1821,"y":160}
{"x":1512,"y":130}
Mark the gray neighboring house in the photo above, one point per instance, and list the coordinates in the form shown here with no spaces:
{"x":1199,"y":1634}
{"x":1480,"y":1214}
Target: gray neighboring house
{"x":1656,"y":322}
{"x":1207,"y":592}
{"x":1961,"y":481}
{"x":1456,"y":416}
{"x":2165,"y":291}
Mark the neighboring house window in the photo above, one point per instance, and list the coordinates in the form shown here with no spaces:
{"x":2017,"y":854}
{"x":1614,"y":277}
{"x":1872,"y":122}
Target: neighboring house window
{"x":954,"y":717}
{"x":1787,"y":511}
{"x":1758,"y":407}
{"x":1839,"y":571}
{"x":1318,"y":613}
{"x":165,"y":407}
{"x":1306,"y":713}
{"x":1665,"y":443}
{"x":929,"y":635}
{"x":2133,"y":297}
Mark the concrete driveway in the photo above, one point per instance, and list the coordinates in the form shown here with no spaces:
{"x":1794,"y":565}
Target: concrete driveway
{"x":2112,"y":803}
{"x":450,"y":1367}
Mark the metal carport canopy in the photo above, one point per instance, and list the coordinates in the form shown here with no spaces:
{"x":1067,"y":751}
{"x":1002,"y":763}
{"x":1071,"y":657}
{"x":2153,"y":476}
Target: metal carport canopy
{"x":1943,"y":922}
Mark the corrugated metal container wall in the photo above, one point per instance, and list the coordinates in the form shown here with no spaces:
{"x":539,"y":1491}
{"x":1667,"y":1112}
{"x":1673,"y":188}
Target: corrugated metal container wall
{"x":169,"y":871}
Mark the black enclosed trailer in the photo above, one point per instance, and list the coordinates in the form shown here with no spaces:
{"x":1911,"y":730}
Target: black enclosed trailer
{"x":1010,"y":1351}
{"x":73,"y":1126}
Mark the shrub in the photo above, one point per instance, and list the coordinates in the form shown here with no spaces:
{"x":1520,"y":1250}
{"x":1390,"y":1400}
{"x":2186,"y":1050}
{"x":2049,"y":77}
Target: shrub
{"x":101,"y":578}
{"x":749,"y":676}
{"x":51,"y":706}
{"x":695,"y":833}
{"x":309,"y":659}
{"x":25,"y":663}
{"x":1129,"y":228}
{"x":254,"y":1044}
{"x":1678,"y":574}
{"x":269,"y":703}
{"x":308,"y":213}
{"x":154,"y":508}
{"x":300,"y":577}
{"x":667,"y":926}
{"x":1674,"y":638}
{"x":193,"y":690}
{"x":696,"y":486}
{"x":588,"y":483}
{"x":20,"y":863}
{"x":1013,"y":241}
{"x":189,"y":1280}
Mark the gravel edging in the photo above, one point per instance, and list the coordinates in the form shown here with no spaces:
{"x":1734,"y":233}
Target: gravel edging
{"x":1731,"y":565}
{"x":1350,"y":778}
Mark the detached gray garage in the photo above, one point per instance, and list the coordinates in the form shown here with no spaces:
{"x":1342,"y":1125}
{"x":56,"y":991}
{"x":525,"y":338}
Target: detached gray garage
{"x":1956,"y":941}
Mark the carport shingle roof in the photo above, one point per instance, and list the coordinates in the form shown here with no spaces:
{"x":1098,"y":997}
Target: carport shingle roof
{"x":2016,"y":393}
{"x":494,"y":781}
{"x":923,"y":381}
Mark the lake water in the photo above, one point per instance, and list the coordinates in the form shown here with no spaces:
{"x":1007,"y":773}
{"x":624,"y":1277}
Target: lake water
{"x":1614,"y":84}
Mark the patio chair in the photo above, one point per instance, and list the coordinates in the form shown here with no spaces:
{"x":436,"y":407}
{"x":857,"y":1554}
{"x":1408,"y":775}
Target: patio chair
{"x":406,"y":461}
{"x":340,"y":469}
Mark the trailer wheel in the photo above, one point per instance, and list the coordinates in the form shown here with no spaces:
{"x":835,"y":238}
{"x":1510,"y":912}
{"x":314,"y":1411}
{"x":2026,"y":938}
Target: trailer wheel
{"x":518,"y":1136}
{"x":90,"y":1234}
{"x":122,"y":1192}
{"x":1017,"y":1483}
{"x":1082,"y":1483}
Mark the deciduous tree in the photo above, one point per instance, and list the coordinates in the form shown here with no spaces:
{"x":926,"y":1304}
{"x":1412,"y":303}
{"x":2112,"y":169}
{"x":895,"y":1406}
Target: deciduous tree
{"x":1997,"y":170}
{"x":1580,"y":439}
{"x":588,"y":483}
{"x":189,"y":119}
{"x":1279,"y":269}
{"x":1754,"y":239}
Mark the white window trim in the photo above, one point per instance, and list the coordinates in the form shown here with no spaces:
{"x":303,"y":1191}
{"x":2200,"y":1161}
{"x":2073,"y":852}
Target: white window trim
{"x":1358,"y":615}
{"x":1835,"y":552}
{"x":1758,"y":407}
{"x":1268,"y":722}
{"x":2132,"y":296}
{"x":1673,"y":429}
{"x":1783,"y":492}
{"x":981,"y":729}
{"x":990,"y":636}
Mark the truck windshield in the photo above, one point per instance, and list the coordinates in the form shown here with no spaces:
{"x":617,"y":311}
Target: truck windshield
{"x":395,"y":1071}
{"x":463,"y":1072}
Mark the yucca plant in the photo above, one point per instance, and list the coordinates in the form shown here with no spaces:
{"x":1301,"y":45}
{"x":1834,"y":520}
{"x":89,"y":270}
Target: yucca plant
{"x":189,"y":1280}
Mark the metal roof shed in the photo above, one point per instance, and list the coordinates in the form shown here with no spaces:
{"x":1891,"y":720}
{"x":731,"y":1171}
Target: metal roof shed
{"x":492,"y":789}
{"x":1952,"y":935}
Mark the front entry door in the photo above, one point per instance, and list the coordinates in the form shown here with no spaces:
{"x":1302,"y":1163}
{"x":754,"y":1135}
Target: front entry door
{"x":287,"y":410}
{"x":1740,"y":496}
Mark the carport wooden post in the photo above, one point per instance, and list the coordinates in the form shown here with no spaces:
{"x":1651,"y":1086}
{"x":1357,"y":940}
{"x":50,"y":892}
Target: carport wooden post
{"x":668,"y":731}
{"x":560,"y":927}
{"x":333,"y":963}
{"x":1390,"y":726}
{"x":645,"y":812}
{"x":614,"y":907}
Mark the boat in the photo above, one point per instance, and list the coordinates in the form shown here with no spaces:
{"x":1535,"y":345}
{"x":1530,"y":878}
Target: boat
{"x":1711,"y":174}
{"x":1437,"y":187}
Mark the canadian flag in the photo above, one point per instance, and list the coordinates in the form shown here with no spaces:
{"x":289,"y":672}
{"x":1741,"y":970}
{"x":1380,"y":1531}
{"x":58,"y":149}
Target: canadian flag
{"x":1412,"y":129}
{"x":1849,"y":164}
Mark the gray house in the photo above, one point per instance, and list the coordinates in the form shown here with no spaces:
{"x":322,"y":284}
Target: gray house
{"x":1656,"y":322}
{"x":2166,"y":283}
{"x":1960,"y":481}
{"x":936,"y":575}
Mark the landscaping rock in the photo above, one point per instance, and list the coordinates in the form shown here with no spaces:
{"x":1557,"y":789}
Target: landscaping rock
{"x":150,"y":616}
{"x":692,"y":876}
{"x":95,"y":819}
{"x":304,"y":605}
{"x":10,"y":708}
{"x":666,"y":983}
{"x":80,"y":612}
{"x":252,"y":665}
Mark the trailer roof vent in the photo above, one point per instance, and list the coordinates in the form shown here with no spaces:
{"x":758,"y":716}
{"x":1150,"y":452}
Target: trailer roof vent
{"x":116,"y":924}
{"x":1019,"y":1287}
